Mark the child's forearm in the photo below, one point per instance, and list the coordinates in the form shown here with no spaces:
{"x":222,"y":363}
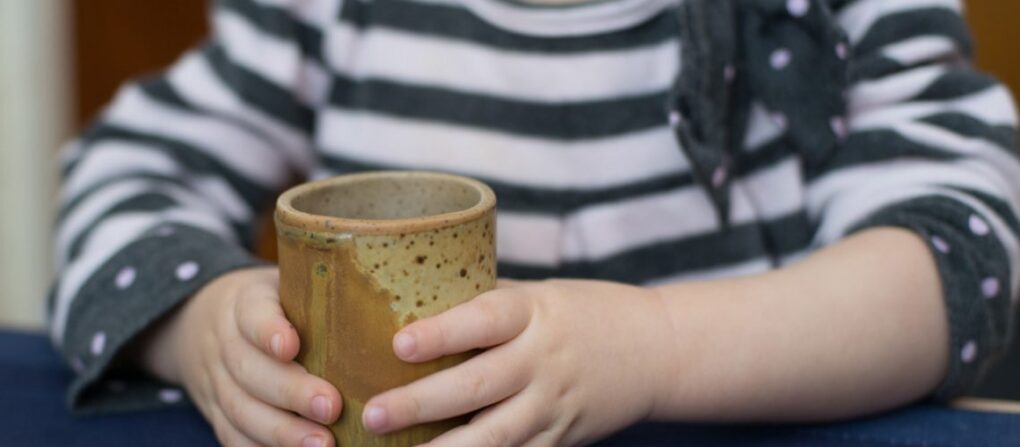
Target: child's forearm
{"x":856,"y":328}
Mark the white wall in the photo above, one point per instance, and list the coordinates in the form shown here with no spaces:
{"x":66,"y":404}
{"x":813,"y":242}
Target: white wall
{"x":35,"y":108}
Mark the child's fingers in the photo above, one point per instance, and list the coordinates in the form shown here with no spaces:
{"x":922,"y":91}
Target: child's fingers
{"x":513,"y":422}
{"x":282,"y":385}
{"x":493,"y":318}
{"x":263,"y":423}
{"x":480,"y":382}
{"x":262,"y":322}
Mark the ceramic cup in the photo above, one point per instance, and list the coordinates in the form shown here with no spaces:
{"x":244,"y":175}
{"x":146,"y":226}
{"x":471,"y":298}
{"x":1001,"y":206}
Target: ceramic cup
{"x":363,"y":255}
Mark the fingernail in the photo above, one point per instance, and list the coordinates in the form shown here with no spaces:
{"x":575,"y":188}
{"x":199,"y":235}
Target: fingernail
{"x":313,"y":441}
{"x":276,"y":344}
{"x":321,"y":408}
{"x":405,"y":344}
{"x":374,"y":418}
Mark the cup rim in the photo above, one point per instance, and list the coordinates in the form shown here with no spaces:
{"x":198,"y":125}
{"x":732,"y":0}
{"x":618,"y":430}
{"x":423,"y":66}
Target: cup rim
{"x":287,"y":215}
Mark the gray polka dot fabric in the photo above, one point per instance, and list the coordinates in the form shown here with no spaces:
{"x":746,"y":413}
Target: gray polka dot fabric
{"x":791,"y":55}
{"x":974,"y":268}
{"x":138,"y":285}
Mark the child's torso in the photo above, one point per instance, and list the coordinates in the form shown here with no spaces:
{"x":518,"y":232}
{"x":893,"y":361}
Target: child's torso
{"x":563,"y":112}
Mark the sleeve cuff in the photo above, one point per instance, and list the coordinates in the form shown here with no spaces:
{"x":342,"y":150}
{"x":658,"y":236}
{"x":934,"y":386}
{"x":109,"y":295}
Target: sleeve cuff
{"x":127,"y":294}
{"x":974,"y":268}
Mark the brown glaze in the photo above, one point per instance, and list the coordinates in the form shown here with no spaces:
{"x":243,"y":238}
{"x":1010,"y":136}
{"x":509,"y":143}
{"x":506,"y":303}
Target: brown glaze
{"x":349,"y":284}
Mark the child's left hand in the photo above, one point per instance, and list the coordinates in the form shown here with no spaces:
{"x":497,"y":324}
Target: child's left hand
{"x":570,"y":361}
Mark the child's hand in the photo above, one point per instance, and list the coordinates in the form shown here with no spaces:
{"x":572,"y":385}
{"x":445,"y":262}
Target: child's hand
{"x":233,"y":350}
{"x":571,"y":361}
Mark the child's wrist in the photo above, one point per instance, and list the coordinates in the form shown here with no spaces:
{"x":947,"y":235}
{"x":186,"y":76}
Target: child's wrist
{"x":700,"y":379}
{"x":154,"y":351}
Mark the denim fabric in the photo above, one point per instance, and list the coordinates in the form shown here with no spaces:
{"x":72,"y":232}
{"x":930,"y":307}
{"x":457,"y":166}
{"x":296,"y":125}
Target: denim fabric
{"x":924,"y":425}
{"x":33,"y":413}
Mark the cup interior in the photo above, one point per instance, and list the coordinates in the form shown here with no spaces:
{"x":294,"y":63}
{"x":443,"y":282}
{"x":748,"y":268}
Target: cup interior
{"x":389,"y":197}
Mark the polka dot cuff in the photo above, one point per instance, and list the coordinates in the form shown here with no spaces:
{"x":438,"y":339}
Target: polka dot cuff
{"x":974,"y":271}
{"x":133,"y":289}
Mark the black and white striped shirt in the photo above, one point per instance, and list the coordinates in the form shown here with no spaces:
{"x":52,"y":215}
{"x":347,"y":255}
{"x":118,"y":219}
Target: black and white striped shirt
{"x":561,"y":111}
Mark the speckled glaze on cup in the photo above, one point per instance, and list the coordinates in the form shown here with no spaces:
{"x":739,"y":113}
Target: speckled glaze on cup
{"x":363,"y":255}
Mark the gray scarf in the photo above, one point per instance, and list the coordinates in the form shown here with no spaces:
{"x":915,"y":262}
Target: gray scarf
{"x":790,"y":55}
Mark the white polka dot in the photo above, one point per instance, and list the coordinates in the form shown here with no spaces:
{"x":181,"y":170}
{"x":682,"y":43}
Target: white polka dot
{"x":798,"y":8}
{"x":729,"y":73}
{"x":780,"y":120}
{"x":978,"y":226}
{"x":125,"y":277}
{"x":187,"y":270}
{"x":170,"y":395}
{"x":77,"y":365}
{"x":842,"y":51}
{"x":990,"y":287}
{"x":98,"y":343}
{"x":781,"y":58}
{"x":940,"y":244}
{"x":165,"y":231}
{"x":719,"y":176}
{"x":674,"y":118}
{"x":969,"y":352}
{"x":839,"y":127}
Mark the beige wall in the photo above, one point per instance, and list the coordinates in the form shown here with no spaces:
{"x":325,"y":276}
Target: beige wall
{"x":34,"y":112}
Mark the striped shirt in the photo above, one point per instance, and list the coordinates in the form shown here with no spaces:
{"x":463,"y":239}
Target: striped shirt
{"x":562,"y":111}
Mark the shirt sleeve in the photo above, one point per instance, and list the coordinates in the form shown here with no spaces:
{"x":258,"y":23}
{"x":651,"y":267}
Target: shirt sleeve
{"x":931,"y":148}
{"x":160,"y":195}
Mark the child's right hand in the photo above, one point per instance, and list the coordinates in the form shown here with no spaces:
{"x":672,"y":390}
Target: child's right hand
{"x":233,"y":349}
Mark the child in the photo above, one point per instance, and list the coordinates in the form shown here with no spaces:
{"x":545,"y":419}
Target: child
{"x":774,"y":210}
